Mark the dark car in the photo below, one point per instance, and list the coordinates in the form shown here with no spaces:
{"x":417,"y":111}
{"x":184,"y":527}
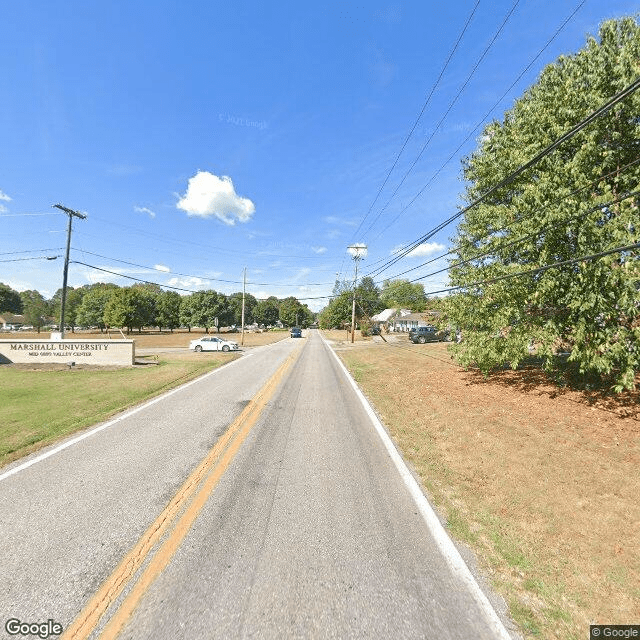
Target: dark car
{"x":424,"y":334}
{"x":296,"y":332}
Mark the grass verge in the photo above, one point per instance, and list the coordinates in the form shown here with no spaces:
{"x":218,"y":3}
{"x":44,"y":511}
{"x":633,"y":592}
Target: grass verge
{"x":542,"y":485}
{"x":40,"y":406}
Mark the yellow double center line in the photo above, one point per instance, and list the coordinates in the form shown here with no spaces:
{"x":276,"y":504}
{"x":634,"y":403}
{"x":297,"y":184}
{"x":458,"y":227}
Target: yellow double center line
{"x":201,"y":482}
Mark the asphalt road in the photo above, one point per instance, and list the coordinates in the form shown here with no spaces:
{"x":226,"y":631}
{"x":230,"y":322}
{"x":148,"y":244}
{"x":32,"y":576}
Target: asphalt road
{"x":296,"y":525}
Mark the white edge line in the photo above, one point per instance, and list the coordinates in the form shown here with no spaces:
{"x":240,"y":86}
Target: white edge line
{"x":443,"y":541}
{"x":110,"y":423}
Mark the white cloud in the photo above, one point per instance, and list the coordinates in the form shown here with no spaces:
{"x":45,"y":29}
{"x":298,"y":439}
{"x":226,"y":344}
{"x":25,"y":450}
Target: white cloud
{"x":150,"y":213}
{"x":161,"y":267}
{"x":425,"y":249}
{"x":4,"y":196}
{"x":319,"y":250}
{"x":3,"y":209}
{"x":208,"y":195}
{"x":188,"y":283}
{"x":358,"y":249}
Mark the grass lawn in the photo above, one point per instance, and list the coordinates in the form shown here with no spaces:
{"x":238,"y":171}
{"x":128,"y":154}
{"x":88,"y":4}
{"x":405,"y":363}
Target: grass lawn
{"x":41,"y":405}
{"x":541,"y":482}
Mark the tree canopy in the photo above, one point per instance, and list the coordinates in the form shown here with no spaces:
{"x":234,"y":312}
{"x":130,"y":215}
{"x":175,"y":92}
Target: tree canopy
{"x":573,"y":203}
{"x":10,"y":299}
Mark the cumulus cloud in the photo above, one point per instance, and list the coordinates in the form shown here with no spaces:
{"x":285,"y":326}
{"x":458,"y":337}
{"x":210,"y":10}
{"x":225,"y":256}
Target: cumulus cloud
{"x":319,"y":250}
{"x":146,"y":210}
{"x":208,"y":195}
{"x":4,"y":196}
{"x":358,"y":249}
{"x":188,"y":282}
{"x":161,"y":267}
{"x":425,"y":249}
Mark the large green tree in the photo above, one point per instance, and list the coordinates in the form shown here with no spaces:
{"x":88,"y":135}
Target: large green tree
{"x":235,"y":302}
{"x":338,"y":312}
{"x":570,"y":204}
{"x":168,"y":309}
{"x":403,"y":294}
{"x":368,"y":300}
{"x":267,"y":312}
{"x":90,"y":312}
{"x":34,"y":308}
{"x":207,"y":307}
{"x":10,"y":299}
{"x":131,"y":307}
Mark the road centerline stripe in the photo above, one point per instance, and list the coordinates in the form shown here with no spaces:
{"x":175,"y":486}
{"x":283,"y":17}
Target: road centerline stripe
{"x":206,"y":476}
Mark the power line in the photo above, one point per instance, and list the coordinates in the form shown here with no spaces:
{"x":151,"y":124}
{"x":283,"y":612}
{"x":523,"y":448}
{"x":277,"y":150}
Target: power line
{"x":417,"y":120}
{"x":173,"y":240}
{"x":190,"y":275}
{"x":510,"y":177}
{"x":10,"y":253}
{"x":521,"y":238}
{"x":555,"y":265}
{"x":486,"y":115}
{"x":443,"y":118}
{"x":530,"y":235}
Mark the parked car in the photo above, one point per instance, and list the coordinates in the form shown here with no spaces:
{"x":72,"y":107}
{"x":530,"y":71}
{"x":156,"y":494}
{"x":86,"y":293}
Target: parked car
{"x":375,"y":331}
{"x":213,"y":344}
{"x":424,"y":334}
{"x":296,"y":332}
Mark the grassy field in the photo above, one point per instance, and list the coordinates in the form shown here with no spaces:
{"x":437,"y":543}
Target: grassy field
{"x":542,"y":483}
{"x":37,"y":406}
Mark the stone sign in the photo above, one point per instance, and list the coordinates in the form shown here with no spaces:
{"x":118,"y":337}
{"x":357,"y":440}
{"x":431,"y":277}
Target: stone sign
{"x":98,"y":352}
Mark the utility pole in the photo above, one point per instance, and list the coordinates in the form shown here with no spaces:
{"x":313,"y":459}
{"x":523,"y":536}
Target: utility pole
{"x":357,"y":256}
{"x":70,"y":213}
{"x":244,"y":287}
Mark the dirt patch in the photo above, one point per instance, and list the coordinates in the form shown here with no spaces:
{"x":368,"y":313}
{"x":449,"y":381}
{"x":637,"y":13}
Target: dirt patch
{"x":542,"y":482}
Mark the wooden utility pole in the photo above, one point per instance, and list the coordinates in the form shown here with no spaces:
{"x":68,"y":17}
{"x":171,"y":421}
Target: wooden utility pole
{"x":244,"y":287}
{"x":70,"y":213}
{"x":356,"y":257}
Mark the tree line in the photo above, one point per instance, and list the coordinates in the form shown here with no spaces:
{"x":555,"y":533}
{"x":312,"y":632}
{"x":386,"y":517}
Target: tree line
{"x":371,"y":299}
{"x":105,"y":305}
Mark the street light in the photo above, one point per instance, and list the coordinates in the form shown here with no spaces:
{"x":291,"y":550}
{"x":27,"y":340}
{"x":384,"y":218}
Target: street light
{"x":358,"y":252}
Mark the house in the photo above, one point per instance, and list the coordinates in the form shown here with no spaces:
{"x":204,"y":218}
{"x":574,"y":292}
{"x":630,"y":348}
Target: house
{"x":387,"y":317}
{"x":9,"y":321}
{"x":404,"y":323}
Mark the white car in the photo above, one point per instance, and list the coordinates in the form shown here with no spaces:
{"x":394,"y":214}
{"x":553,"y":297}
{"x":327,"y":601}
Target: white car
{"x":213,"y":344}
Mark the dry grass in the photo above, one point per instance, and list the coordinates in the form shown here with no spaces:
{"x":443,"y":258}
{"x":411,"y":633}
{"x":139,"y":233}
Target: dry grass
{"x":340,"y":336}
{"x":542,"y":483}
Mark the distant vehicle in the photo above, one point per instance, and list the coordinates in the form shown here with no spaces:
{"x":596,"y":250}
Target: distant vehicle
{"x":424,"y":334}
{"x":213,"y":344}
{"x":296,"y":332}
{"x":375,"y":331}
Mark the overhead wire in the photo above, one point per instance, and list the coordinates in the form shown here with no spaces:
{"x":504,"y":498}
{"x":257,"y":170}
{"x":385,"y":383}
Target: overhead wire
{"x":417,"y":120}
{"x":443,"y":118}
{"x":205,"y":277}
{"x":554,"y":265}
{"x":506,"y":227}
{"x":621,"y":95}
{"x":485,"y":116}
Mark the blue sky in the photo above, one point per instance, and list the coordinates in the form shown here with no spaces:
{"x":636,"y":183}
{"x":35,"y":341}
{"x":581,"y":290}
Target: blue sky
{"x":201,"y":138}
